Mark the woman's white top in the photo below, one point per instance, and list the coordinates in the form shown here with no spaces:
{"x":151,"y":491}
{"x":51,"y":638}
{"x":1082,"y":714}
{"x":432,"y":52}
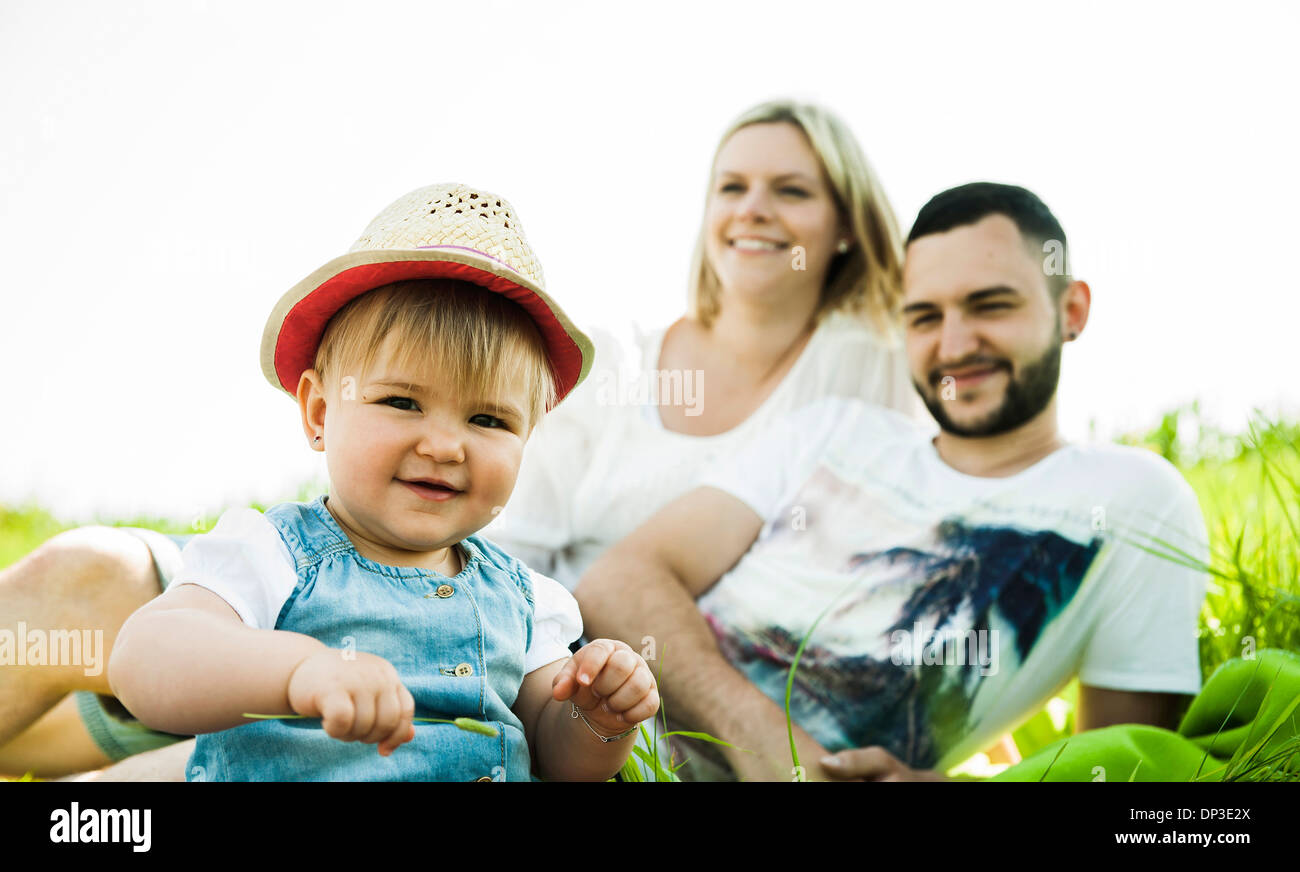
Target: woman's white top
{"x":602,"y":462}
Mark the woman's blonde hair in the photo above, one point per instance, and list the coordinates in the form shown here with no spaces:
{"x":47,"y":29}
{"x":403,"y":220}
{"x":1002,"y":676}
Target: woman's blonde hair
{"x":479,"y":342}
{"x":867,"y":280}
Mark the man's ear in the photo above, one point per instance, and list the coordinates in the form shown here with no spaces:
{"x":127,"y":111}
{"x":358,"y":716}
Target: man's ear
{"x":311,"y":403}
{"x":1076,"y":302}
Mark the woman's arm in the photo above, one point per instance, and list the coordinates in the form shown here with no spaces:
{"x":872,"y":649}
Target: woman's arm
{"x":647,"y":584}
{"x":186,"y":663}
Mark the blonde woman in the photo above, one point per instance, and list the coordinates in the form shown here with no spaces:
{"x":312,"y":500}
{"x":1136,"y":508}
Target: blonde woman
{"x":792,"y":297}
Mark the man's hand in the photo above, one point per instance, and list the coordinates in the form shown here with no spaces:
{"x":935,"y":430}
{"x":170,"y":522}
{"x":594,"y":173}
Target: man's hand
{"x":874,"y":764}
{"x":611,"y":683}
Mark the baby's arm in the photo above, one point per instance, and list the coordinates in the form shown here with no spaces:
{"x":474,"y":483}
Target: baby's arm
{"x":604,"y":673}
{"x":186,"y":663}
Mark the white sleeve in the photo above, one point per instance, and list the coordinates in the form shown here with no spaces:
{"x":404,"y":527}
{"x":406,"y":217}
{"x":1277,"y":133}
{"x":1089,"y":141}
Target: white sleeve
{"x":762,"y":473}
{"x":1145,"y":638}
{"x":246,"y":563}
{"x":556,"y":622}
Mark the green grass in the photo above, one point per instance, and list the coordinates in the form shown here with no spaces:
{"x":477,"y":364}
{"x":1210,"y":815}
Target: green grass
{"x":1251,"y":503}
{"x":1249,"y":490}
{"x":22,"y":529}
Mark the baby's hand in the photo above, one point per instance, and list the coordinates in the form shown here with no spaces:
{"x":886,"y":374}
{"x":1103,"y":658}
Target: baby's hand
{"x":610,"y":683}
{"x":359,"y":698}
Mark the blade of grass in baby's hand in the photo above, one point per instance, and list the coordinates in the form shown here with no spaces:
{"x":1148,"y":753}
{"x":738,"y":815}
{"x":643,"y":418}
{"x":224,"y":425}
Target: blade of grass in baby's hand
{"x":469,"y":725}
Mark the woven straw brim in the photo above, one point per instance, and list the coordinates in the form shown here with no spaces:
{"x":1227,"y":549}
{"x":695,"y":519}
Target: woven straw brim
{"x":298,"y":320}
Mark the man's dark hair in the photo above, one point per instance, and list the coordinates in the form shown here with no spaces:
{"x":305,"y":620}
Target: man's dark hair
{"x":967,"y":204}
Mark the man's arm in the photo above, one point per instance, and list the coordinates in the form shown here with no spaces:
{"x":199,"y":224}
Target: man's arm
{"x":647,"y":584}
{"x":1099,"y":707}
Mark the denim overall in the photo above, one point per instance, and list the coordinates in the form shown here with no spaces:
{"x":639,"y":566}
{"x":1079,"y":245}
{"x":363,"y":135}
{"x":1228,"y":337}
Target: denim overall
{"x":457,"y":643}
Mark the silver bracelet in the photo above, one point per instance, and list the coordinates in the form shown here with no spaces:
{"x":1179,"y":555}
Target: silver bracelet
{"x":577,"y":713}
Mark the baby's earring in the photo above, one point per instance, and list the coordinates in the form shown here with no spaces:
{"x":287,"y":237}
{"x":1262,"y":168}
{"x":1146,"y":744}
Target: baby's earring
{"x":843,"y":247}
{"x":316,"y":441}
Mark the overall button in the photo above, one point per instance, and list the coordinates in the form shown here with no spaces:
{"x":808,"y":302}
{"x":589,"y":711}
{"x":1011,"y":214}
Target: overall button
{"x":464,"y":669}
{"x":444,"y":591}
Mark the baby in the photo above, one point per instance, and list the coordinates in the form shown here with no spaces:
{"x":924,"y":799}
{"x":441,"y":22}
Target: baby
{"x":420,"y":360}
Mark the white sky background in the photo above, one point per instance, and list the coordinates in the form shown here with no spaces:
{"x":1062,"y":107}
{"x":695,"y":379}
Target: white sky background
{"x":168,"y":170}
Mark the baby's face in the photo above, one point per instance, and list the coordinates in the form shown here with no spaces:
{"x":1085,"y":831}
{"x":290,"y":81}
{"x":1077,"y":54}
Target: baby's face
{"x":415,"y":468}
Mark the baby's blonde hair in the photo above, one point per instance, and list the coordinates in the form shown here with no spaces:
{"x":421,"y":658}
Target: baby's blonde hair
{"x":478,"y":341}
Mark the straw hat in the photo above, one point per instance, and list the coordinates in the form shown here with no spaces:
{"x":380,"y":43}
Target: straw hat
{"x":441,"y":231}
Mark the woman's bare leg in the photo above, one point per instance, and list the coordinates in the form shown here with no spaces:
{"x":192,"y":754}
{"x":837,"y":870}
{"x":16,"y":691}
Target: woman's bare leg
{"x":89,"y":579}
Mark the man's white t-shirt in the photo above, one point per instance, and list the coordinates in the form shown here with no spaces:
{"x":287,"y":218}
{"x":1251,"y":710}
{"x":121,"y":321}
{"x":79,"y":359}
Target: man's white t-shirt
{"x":951,"y":606}
{"x":602,"y":463}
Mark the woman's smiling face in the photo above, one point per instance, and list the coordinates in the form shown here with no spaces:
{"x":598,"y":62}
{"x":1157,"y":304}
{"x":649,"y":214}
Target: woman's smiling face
{"x":414,"y":467}
{"x":768,"y":196}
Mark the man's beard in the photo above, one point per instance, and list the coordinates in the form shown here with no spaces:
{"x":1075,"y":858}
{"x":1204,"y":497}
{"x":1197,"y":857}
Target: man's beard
{"x":1025,"y":397}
